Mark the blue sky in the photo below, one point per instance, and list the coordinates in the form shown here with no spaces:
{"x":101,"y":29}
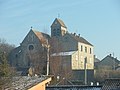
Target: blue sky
{"x":98,"y":21}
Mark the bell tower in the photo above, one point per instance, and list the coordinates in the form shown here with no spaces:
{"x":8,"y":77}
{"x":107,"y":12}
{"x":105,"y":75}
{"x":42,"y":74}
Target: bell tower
{"x":58,"y":28}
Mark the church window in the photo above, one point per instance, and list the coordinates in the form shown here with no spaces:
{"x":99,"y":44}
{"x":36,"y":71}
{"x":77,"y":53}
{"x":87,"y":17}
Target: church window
{"x":31,"y":47}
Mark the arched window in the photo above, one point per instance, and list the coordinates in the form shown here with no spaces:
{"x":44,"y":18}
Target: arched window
{"x":31,"y":47}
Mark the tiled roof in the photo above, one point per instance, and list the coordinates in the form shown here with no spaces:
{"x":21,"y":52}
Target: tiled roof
{"x":41,"y":36}
{"x":25,"y":82}
{"x":80,"y":39}
{"x":110,"y":58}
{"x":111,"y":84}
{"x":61,"y":22}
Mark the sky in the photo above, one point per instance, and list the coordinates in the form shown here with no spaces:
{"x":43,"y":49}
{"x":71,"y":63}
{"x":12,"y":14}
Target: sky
{"x":98,"y":21}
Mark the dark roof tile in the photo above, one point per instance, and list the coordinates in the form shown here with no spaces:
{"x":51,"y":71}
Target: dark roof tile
{"x":111,"y":84}
{"x":80,"y":39}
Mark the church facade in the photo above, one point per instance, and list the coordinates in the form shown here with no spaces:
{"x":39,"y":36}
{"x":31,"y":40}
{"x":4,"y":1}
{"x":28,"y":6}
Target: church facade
{"x":68,"y":52}
{"x":31,"y":52}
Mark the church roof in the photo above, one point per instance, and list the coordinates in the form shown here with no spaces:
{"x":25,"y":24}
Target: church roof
{"x":41,"y":36}
{"x":80,"y":39}
{"x":38,"y":34}
{"x":60,"y":22}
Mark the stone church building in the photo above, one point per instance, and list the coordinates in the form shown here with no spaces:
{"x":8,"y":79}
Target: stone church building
{"x":69,"y":53}
{"x":31,"y":52}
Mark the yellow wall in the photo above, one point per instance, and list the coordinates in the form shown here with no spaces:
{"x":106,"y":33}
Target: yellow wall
{"x":78,"y":58}
{"x":41,"y":85}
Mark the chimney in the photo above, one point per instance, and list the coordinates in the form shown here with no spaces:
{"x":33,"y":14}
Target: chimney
{"x":74,"y":34}
{"x":79,"y":35}
{"x":95,"y":56}
{"x":110,"y":55}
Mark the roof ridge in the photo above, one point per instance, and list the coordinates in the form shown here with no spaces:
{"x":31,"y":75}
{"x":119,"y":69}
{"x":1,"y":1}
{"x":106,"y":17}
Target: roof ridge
{"x":115,"y":59}
{"x":41,"y":36}
{"x":80,"y":39}
{"x":61,"y":22}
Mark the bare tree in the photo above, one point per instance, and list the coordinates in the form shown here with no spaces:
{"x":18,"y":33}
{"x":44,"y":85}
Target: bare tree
{"x":6,"y":72}
{"x":37,"y":60}
{"x":59,"y":66}
{"x":105,"y":73}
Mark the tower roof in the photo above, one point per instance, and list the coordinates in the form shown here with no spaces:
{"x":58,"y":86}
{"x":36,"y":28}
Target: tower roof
{"x":60,"y":22}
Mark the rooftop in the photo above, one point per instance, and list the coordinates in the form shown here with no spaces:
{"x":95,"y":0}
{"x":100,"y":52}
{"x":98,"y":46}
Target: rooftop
{"x":60,"y":22}
{"x":110,"y":58}
{"x":41,"y":36}
{"x":25,"y":82}
{"x":73,"y":87}
{"x":111,"y":84}
{"x":80,"y":39}
{"x":63,"y":53}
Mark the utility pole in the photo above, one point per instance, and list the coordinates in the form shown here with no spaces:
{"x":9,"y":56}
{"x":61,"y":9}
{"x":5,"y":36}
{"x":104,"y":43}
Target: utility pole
{"x":48,"y":58}
{"x":85,"y":70}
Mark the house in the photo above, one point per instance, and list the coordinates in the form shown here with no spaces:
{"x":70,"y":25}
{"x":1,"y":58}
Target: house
{"x":109,"y":63}
{"x":29,"y":83}
{"x":72,"y":51}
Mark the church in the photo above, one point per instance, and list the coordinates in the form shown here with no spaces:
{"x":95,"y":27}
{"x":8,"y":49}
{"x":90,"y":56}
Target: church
{"x":69,"y":53}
